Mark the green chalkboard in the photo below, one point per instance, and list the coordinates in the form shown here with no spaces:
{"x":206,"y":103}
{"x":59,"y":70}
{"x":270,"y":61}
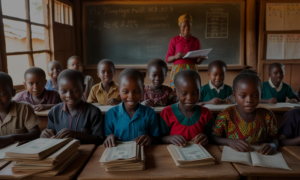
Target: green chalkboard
{"x":133,"y":34}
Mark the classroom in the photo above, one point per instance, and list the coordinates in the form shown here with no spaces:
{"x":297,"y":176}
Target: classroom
{"x":147,"y":89}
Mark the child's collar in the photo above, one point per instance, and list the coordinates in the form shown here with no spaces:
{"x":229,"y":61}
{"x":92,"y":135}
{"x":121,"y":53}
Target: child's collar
{"x":273,"y":86}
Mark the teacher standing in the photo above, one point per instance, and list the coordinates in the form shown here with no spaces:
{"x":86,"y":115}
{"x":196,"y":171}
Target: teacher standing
{"x":180,"y":45}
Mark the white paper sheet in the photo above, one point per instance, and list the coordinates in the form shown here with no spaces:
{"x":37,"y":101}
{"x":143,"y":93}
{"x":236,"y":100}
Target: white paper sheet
{"x":275,"y":46}
{"x":274,"y":16}
{"x":292,"y":45}
{"x":197,"y":53}
{"x":292,"y":16}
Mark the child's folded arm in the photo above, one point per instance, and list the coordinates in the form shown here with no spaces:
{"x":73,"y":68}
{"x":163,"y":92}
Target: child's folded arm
{"x":290,"y":142}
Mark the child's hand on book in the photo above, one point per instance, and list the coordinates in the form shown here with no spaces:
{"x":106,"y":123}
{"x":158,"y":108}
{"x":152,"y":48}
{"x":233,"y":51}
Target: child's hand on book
{"x":240,"y":145}
{"x":177,"y":140}
{"x":200,"y":139}
{"x":110,"y":141}
{"x":48,"y":133}
{"x":112,"y":102}
{"x":143,"y":140}
{"x":266,"y":149}
{"x":66,"y":133}
{"x":272,"y":100}
{"x":216,"y":101}
{"x":293,"y":100}
{"x":149,"y":102}
{"x":5,"y":141}
{"x":39,"y":107}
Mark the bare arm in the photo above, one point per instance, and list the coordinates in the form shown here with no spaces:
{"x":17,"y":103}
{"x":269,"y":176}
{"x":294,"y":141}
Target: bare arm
{"x":290,"y":142}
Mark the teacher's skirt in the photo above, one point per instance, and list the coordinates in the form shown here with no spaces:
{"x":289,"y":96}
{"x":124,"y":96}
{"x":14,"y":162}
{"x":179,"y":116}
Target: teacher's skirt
{"x":178,"y":67}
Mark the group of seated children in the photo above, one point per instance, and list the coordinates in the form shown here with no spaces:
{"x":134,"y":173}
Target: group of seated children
{"x":132,"y":118}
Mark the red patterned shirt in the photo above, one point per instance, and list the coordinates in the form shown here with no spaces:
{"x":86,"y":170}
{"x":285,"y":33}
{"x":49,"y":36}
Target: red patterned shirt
{"x":165,"y":97}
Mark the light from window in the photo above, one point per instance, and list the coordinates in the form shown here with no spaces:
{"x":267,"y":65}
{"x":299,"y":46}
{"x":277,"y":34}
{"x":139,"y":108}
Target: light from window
{"x":36,"y":11}
{"x":17,"y":65}
{"x":39,"y":61}
{"x":38,"y":37}
{"x":63,"y":13}
{"x":14,"y":8}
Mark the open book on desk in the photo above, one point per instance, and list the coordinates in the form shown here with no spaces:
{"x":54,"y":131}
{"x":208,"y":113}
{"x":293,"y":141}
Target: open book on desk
{"x":197,"y":53}
{"x":254,"y":158}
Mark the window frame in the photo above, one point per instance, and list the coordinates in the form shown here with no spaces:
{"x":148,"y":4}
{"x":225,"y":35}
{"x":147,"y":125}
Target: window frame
{"x":30,"y":52}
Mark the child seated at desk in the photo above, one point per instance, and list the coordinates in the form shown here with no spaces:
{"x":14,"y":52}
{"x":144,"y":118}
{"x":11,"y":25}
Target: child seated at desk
{"x":185,"y":120}
{"x":75,"y":62}
{"x":107,"y":91}
{"x":130,"y":120}
{"x":275,"y":90}
{"x":53,"y":70}
{"x":289,"y":132}
{"x":216,"y":92}
{"x":18,"y":121}
{"x":244,"y":124}
{"x":157,"y":94}
{"x":37,"y":95}
{"x":74,"y":118}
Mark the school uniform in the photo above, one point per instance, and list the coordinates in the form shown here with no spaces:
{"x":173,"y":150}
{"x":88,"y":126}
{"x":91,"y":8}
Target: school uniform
{"x":99,"y":95}
{"x":20,"y":119}
{"x":143,"y":122}
{"x":88,"y":119}
{"x":89,"y":83}
{"x":48,"y":86}
{"x":269,"y":90}
{"x":173,"y":122}
{"x":166,"y":96}
{"x":291,"y":125}
{"x":209,"y":91}
{"x":49,"y":97}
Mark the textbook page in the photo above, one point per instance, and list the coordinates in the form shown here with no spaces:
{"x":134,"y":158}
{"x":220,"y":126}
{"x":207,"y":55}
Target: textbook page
{"x":271,"y":161}
{"x":292,"y":16}
{"x":7,"y":148}
{"x":124,"y":150}
{"x":275,"y":16}
{"x":275,"y":46}
{"x":231,"y":155}
{"x":292,"y":45}
{"x":191,"y":152}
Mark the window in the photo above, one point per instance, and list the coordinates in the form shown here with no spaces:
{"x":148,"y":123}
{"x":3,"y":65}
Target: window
{"x":63,"y":13}
{"x":26,"y":32}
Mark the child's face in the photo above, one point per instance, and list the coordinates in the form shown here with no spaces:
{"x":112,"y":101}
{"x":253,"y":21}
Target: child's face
{"x":131,"y":92}
{"x":157,"y":76}
{"x":247,"y":95}
{"x":75,"y":64}
{"x":106,"y":73}
{"x":276,"y":74}
{"x":217,"y":75}
{"x":185,"y":28}
{"x":6,"y":93}
{"x":70,"y":91}
{"x":53,"y":70}
{"x":188,"y":92}
{"x":35,"y":84}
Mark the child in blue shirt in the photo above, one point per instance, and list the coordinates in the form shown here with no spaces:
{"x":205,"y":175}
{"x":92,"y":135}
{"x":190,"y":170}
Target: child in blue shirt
{"x":130,"y":120}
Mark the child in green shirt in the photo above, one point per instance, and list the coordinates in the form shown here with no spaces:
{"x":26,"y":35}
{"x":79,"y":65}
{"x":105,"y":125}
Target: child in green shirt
{"x":216,"y":92}
{"x":274,"y":90}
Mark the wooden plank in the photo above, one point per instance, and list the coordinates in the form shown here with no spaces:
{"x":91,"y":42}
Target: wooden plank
{"x":261,"y":38}
{"x":294,"y":77}
{"x":251,"y":53}
{"x":28,"y":36}
{"x":3,"y":59}
{"x":77,"y":25}
{"x":27,"y":52}
{"x":23,"y":20}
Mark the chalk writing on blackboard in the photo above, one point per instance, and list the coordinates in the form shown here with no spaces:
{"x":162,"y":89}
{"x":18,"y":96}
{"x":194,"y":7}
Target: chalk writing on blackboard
{"x":216,"y":23}
{"x":157,"y":21}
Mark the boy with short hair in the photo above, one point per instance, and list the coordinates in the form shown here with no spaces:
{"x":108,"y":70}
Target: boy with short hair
{"x":53,"y":70}
{"x":216,"y":92}
{"x":107,"y":91}
{"x":74,"y":118}
{"x":18,"y":121}
{"x":130,"y":120}
{"x":75,"y":62}
{"x":275,"y":90}
{"x":36,"y":94}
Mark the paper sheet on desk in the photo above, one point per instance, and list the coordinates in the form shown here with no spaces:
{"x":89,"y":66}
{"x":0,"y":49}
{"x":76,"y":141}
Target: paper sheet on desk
{"x":288,"y":105}
{"x":197,"y":53}
{"x":219,"y":107}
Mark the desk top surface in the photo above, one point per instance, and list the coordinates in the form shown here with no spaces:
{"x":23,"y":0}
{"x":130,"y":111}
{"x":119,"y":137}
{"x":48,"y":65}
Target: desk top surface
{"x":291,"y":161}
{"x":293,"y":150}
{"x":160,"y":165}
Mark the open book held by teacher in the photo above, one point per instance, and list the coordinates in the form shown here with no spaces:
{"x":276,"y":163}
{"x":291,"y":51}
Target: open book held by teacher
{"x":254,"y":158}
{"x":197,"y":53}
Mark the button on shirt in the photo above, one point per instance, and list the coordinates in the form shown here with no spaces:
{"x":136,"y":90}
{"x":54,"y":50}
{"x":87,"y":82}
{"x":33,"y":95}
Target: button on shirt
{"x":143,"y":122}
{"x":88,"y":119}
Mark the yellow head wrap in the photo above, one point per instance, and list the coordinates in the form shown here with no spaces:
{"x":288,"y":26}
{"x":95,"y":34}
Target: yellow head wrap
{"x":184,"y":17}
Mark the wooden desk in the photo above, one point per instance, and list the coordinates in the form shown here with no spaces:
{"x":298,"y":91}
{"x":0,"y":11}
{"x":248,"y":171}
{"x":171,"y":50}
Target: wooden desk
{"x":293,"y":150}
{"x":160,"y":165}
{"x":261,"y":173}
{"x":73,"y":169}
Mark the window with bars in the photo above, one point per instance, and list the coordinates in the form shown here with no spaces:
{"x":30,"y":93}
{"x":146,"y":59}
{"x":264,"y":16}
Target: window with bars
{"x":27,"y":37}
{"x":63,"y":13}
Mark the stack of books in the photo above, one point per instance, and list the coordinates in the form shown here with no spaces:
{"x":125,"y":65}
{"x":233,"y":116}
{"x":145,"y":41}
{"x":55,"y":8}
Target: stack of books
{"x":125,"y":156}
{"x":192,"y":155}
{"x":42,"y":157}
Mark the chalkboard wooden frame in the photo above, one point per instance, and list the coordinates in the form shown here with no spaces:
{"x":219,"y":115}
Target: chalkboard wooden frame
{"x":241,"y":64}
{"x":263,"y":63}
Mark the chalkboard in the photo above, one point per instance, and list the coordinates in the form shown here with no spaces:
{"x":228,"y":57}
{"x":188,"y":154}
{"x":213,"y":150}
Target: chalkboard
{"x":133,"y":34}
